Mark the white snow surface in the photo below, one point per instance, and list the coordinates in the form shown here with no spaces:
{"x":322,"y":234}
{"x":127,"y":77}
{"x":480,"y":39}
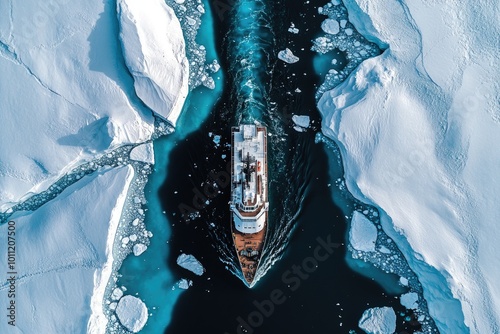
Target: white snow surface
{"x":362,"y":234}
{"x":132,"y":313}
{"x":301,"y":120}
{"x":184,"y":283}
{"x":409,"y":300}
{"x":330,"y":26}
{"x":155,"y":54}
{"x":287,"y":56}
{"x":138,"y":249}
{"x":143,"y":153}
{"x":65,"y":91}
{"x":417,"y":128}
{"x":189,"y":262}
{"x":378,"y":320}
{"x":64,"y":256}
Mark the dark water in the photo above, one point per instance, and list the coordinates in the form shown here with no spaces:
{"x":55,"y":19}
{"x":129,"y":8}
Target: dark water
{"x":310,"y":288}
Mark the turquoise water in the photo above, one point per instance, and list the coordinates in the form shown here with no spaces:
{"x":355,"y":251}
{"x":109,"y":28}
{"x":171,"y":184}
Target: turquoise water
{"x":323,"y":62}
{"x":149,"y":275}
{"x":257,"y":88}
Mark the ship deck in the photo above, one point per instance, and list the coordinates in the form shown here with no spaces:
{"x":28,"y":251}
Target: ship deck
{"x":246,"y":241}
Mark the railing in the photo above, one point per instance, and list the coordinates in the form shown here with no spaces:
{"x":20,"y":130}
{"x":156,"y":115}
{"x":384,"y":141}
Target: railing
{"x":247,"y":208}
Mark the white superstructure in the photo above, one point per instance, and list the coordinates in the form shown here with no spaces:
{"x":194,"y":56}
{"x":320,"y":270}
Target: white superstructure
{"x":249,"y":178}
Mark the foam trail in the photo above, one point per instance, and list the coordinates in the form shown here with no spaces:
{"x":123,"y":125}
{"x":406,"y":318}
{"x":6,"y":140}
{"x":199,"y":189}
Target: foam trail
{"x":249,"y":39}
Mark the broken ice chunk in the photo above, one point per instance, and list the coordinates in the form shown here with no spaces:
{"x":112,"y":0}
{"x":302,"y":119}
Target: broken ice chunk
{"x":190,"y":263}
{"x":287,"y":56}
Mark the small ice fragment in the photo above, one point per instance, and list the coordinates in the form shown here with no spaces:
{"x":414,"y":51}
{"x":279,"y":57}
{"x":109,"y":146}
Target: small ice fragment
{"x":139,"y":249}
{"x":409,"y":300}
{"x":301,"y":120}
{"x":116,"y":294}
{"x":190,"y":263}
{"x":287,"y":56}
{"x":403,"y":281}
{"x":330,"y":26}
{"x":184,"y":283}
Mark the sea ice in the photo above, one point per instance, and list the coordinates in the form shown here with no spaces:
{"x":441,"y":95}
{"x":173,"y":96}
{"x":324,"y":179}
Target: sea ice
{"x":287,"y":56}
{"x":132,"y":313}
{"x":154,"y":51}
{"x":293,"y":29}
{"x":184,"y":283}
{"x":139,"y":249}
{"x":330,"y":26}
{"x":403,"y":281}
{"x":429,"y":110}
{"x":362,"y":234}
{"x":143,"y":153}
{"x":409,"y":300}
{"x":190,"y":263}
{"x":66,"y":252}
{"x":378,"y":320}
{"x":117,"y":294}
{"x":301,"y":120}
{"x":79,"y":101}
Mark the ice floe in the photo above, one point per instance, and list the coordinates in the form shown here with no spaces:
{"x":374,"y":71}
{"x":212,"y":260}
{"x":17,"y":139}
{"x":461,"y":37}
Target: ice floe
{"x":378,"y":320}
{"x":132,"y":313}
{"x":362,"y":234}
{"x":184,"y":283}
{"x":428,"y":107}
{"x":189,"y":262}
{"x":287,"y":56}
{"x":143,"y":153}
{"x":69,"y":240}
{"x":155,"y":54}
{"x":138,"y":249}
{"x":301,"y":120}
{"x":409,"y":300}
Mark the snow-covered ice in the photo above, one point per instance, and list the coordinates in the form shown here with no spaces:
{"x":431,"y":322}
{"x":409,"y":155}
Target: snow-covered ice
{"x":403,"y":281}
{"x":155,"y":54}
{"x":416,"y":127}
{"x":362,"y":234}
{"x":189,"y":262}
{"x":287,"y":56}
{"x":301,"y":120}
{"x":409,"y":300}
{"x":143,"y":153}
{"x":66,"y":94}
{"x":330,"y":26}
{"x":65,"y":256}
{"x":378,"y":320}
{"x":293,"y":29}
{"x":117,"y":294}
{"x":184,"y":283}
{"x":132,"y":313}
{"x":138,"y":249}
